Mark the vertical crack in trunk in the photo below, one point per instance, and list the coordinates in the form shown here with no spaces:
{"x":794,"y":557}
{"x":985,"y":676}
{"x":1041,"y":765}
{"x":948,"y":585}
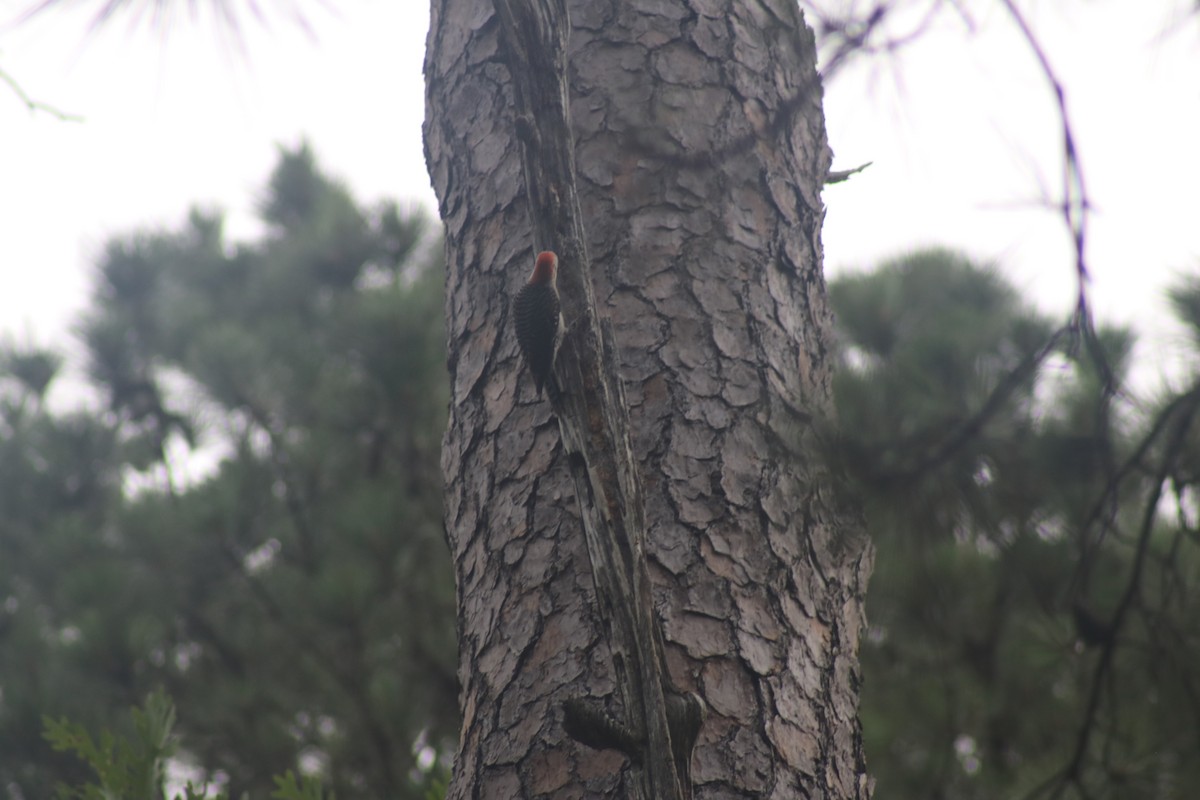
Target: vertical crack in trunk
{"x":592,"y":410}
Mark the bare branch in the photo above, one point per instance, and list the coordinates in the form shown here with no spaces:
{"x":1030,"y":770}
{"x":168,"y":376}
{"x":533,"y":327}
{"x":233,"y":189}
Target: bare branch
{"x":958,"y":436}
{"x":34,"y":105}
{"x":838,"y":176}
{"x":1182,"y":412}
{"x":1075,"y":203}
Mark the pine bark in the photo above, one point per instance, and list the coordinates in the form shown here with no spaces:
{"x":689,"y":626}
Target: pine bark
{"x":700,"y":153}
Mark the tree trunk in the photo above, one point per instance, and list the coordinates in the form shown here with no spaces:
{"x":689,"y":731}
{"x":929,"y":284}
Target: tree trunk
{"x":700,"y":145}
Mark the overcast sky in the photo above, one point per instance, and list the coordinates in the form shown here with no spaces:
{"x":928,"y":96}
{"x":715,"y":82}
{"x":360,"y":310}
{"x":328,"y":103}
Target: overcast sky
{"x":960,"y":126}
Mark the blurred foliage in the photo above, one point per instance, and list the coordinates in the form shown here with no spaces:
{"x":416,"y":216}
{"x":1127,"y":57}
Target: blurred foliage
{"x":136,"y":768}
{"x":986,"y":449}
{"x":297,"y":603}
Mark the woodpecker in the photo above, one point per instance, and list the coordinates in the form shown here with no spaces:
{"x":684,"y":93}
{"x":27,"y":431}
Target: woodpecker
{"x":539,"y":319}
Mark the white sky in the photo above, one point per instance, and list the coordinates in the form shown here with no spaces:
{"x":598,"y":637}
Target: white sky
{"x":960,"y":127}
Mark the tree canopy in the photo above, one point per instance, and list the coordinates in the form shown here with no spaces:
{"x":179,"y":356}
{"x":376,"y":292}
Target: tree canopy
{"x":296,"y":602}
{"x":1017,"y":506}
